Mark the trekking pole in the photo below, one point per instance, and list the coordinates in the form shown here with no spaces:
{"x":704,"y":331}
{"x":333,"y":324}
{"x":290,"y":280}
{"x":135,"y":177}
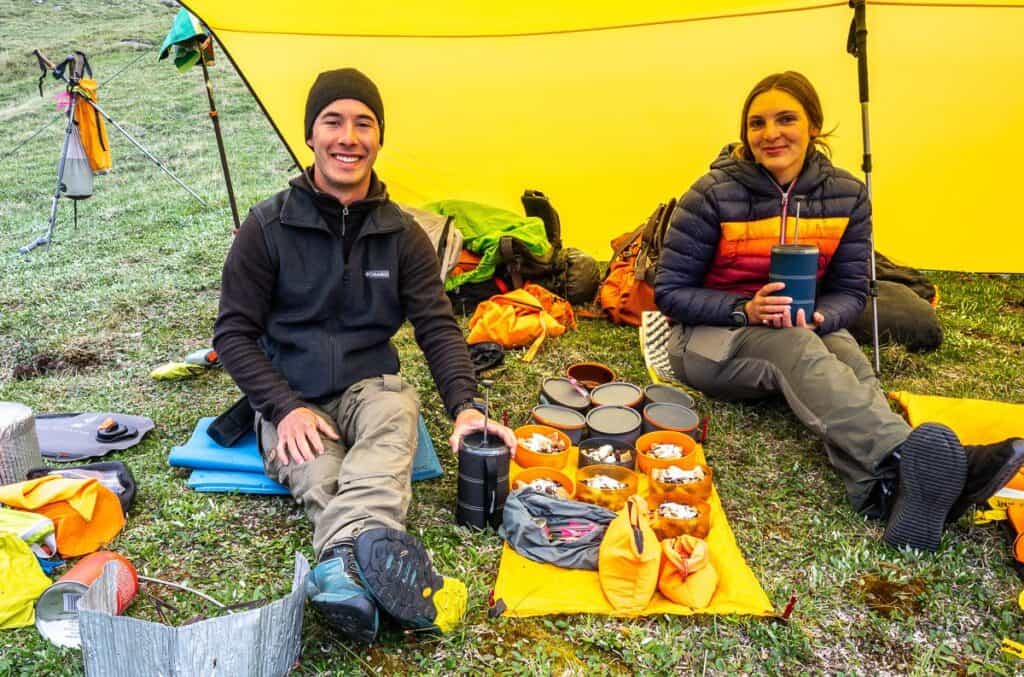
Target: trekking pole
{"x":59,"y":75}
{"x":857,"y":45}
{"x":45,"y":239}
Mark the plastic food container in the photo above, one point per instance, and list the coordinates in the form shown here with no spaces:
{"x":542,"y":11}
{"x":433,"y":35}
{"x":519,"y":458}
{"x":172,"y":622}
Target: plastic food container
{"x":619,"y":393}
{"x":530,"y":474}
{"x":569,"y":421}
{"x":558,"y":390}
{"x":613,"y":499}
{"x":595,"y":442}
{"x":528,"y":459}
{"x":615,"y":422}
{"x":644,"y":461}
{"x":668,"y":416}
{"x":659,"y":392}
{"x":679,"y":492}
{"x":591,"y":374}
{"x":671,"y":527}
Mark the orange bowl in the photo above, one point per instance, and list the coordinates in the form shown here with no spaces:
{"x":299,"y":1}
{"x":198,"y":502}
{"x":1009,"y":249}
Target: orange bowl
{"x":645,"y":462}
{"x":672,"y":527}
{"x":679,"y":492}
{"x":542,"y":472}
{"x":614,"y":500}
{"x":529,"y":459}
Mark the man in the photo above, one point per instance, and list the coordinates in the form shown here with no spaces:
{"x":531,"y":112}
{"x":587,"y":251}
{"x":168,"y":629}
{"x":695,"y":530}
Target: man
{"x":317,"y":282}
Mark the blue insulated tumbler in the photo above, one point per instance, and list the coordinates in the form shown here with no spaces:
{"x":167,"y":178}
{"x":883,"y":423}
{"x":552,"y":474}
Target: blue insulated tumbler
{"x":797,"y":266}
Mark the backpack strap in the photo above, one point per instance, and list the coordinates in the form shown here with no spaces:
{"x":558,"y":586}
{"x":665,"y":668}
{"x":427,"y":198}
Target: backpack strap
{"x":512,"y":263}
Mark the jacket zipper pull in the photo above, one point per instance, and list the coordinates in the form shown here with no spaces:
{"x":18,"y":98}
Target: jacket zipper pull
{"x":344,"y":213}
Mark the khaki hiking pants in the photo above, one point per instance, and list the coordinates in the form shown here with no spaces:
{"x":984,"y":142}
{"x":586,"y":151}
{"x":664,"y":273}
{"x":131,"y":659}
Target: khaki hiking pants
{"x":363,"y":480}
{"x":827,"y":382}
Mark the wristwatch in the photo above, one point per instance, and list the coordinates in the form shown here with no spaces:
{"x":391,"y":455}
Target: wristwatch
{"x":472,"y":403}
{"x":738,"y":316}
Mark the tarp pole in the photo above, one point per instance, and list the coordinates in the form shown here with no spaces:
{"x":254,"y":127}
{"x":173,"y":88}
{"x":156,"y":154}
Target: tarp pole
{"x":857,"y":45}
{"x":45,"y":239}
{"x":220,"y":139}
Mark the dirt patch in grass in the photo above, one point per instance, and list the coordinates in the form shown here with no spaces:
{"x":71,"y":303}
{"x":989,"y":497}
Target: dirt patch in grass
{"x":885,"y":596}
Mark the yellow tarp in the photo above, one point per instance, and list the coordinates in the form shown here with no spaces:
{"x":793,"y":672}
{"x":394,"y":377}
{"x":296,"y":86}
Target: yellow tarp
{"x":974,"y":421}
{"x":527,"y":588}
{"x":611,"y":108}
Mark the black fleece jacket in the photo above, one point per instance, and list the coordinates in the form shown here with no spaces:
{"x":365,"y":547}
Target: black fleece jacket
{"x":312,"y":293}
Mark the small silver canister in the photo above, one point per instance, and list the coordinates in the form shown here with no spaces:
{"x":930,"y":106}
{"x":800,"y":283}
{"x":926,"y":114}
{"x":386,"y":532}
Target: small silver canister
{"x":19,"y":445}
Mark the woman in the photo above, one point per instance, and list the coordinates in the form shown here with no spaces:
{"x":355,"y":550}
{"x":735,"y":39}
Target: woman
{"x":734,"y":337}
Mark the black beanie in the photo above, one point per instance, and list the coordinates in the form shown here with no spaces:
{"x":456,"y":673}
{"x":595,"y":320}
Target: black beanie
{"x":344,"y":83}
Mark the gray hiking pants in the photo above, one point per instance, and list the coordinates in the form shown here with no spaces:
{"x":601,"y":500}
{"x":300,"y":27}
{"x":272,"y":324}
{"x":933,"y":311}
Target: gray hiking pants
{"x":363,"y":480}
{"x":827,"y":382}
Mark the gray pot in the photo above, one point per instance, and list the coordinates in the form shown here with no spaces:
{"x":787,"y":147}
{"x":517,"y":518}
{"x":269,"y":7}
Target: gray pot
{"x":659,"y":392}
{"x":558,"y":390}
{"x":593,"y":442}
{"x":614,"y":422}
{"x":668,"y":416}
{"x":569,"y":421}
{"x":617,"y":393}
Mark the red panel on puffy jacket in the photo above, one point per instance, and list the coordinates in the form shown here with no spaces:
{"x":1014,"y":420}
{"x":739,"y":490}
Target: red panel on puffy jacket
{"x":744,"y":251}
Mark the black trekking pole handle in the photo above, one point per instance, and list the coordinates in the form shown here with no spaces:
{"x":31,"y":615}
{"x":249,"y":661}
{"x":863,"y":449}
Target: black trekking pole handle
{"x":857,"y":45}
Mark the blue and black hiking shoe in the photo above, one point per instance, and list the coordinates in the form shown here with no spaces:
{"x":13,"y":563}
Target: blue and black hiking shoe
{"x":397,"y":572}
{"x":334,"y":589}
{"x":933,"y":471}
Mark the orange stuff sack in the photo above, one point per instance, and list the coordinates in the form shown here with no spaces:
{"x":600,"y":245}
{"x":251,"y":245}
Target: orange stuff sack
{"x":85,"y":514}
{"x":92,"y":129}
{"x":627,"y":562}
{"x":521,"y":317}
{"x":687,"y":575}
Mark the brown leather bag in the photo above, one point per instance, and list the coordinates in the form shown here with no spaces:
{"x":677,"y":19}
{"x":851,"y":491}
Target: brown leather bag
{"x":628,"y":287}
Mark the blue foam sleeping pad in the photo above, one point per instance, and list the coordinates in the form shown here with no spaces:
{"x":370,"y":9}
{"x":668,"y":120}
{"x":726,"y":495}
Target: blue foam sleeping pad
{"x":239,"y":468}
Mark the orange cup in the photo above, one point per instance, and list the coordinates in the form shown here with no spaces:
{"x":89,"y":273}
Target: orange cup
{"x":670,"y":527}
{"x":645,"y":462}
{"x":529,"y":459}
{"x":679,"y":492}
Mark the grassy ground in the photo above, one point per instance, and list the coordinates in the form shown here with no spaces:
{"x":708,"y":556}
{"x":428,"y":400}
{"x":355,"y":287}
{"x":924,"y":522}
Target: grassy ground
{"x":84,"y":322}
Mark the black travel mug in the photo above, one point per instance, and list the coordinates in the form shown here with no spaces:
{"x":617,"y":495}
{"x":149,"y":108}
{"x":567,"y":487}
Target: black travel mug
{"x":483,"y":481}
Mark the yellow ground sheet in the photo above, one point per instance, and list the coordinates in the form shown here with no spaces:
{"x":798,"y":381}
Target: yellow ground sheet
{"x":974,"y":421}
{"x":527,"y":588}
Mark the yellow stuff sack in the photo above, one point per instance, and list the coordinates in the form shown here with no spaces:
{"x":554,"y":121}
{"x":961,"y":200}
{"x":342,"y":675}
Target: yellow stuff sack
{"x":92,"y":129}
{"x":627,"y":562}
{"x":687,"y":576}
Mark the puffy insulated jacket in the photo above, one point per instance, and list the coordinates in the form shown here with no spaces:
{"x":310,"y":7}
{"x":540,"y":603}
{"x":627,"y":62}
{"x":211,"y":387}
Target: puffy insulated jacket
{"x":718,"y":246}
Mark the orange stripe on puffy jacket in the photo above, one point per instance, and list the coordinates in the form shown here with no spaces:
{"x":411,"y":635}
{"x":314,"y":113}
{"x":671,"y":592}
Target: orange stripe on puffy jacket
{"x":744,"y":250}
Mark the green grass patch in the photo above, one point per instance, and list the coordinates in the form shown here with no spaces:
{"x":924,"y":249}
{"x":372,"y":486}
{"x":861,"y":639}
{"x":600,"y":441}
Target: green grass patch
{"x":84,"y":321}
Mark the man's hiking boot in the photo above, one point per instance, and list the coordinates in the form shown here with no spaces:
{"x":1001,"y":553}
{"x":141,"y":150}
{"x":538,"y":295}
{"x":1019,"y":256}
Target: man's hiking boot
{"x":396,"y":570}
{"x":932,"y":473}
{"x":990,"y":467}
{"x":334,"y":589}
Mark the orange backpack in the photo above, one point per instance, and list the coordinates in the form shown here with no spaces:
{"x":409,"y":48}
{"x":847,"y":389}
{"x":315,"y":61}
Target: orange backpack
{"x":628,"y":287}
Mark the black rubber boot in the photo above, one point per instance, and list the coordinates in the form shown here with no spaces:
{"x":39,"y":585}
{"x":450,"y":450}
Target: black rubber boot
{"x":395,"y":569}
{"x":932,"y":473}
{"x":989,"y":468}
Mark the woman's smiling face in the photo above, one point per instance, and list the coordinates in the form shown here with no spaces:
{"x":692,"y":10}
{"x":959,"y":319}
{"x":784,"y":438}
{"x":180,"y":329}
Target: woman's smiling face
{"x":778,"y":133}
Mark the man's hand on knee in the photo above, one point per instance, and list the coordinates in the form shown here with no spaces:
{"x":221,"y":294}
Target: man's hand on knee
{"x":471,"y":420}
{"x":298,"y":436}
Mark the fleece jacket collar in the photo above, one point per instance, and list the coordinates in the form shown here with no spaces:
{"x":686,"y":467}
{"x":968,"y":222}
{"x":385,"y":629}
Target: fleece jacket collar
{"x":305,"y":207}
{"x":759,"y":181}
